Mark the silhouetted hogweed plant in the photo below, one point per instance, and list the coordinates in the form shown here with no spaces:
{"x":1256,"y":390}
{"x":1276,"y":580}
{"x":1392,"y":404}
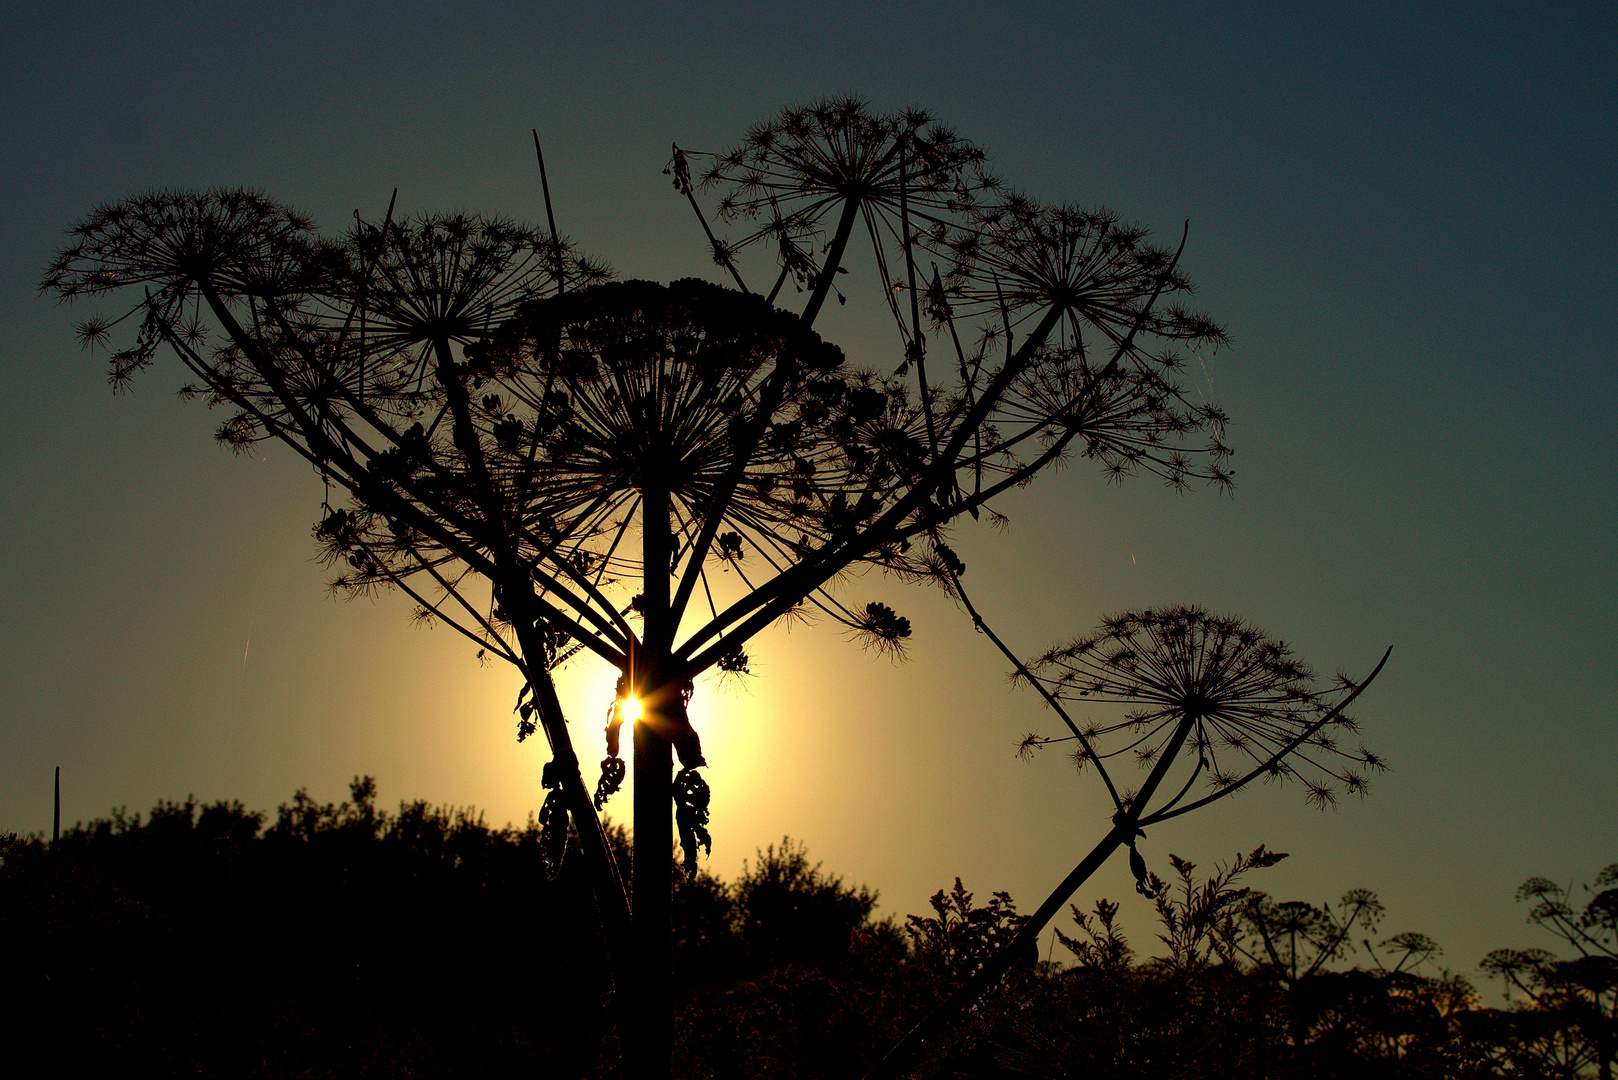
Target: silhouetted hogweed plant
{"x":555,"y":463}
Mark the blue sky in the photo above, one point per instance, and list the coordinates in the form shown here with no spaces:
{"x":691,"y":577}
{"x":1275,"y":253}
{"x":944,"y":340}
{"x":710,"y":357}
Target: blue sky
{"x":1403,"y":213}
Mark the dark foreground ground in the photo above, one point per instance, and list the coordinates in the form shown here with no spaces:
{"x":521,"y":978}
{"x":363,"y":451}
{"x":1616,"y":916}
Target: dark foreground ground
{"x":344,"y":941}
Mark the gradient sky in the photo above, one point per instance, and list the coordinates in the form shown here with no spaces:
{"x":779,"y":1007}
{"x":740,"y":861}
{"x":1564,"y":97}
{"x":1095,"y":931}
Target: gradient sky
{"x":1403,"y":212}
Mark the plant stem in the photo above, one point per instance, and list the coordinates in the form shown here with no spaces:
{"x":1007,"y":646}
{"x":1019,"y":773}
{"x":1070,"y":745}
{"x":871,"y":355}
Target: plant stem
{"x":834,"y":259}
{"x":648,"y":1037}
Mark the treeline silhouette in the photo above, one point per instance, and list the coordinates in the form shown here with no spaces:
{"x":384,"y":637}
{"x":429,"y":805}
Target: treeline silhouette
{"x":343,"y":940}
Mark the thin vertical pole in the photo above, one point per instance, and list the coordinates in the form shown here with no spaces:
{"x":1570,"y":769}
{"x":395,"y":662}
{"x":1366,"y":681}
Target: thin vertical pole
{"x":56,"y":818}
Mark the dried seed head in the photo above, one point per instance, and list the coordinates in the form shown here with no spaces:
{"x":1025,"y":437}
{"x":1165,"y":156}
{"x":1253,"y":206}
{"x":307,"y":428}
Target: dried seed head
{"x":1247,"y":701}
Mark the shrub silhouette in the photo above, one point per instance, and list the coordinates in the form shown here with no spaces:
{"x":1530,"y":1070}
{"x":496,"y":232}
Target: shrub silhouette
{"x":342,"y":939}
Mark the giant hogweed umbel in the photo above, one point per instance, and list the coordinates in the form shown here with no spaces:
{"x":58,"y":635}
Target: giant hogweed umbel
{"x":1240,"y":704}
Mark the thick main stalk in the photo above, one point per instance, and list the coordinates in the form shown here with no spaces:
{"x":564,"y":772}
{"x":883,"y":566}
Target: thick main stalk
{"x":649,"y":1045}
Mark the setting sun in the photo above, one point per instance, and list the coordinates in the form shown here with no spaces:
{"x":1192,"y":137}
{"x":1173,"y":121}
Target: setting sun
{"x":629,"y":709}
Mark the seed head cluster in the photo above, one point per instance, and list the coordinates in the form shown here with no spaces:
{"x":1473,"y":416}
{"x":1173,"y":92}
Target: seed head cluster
{"x":1243,"y":702}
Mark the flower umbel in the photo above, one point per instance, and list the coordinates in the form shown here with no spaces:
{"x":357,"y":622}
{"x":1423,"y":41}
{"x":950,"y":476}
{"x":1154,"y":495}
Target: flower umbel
{"x":798,"y":170}
{"x":1240,"y":701}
